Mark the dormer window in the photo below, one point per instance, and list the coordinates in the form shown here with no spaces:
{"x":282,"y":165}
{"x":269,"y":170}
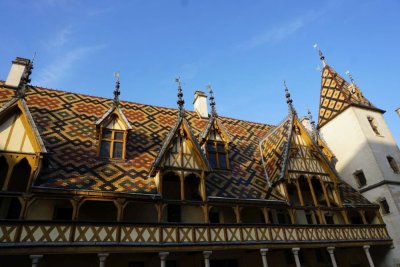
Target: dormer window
{"x":112,"y":144}
{"x":217,"y":151}
{"x":112,"y":137}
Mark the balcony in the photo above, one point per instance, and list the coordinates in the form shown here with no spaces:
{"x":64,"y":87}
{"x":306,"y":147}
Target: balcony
{"x":37,"y":233}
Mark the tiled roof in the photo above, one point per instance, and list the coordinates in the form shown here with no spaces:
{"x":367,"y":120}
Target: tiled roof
{"x":67,"y":124}
{"x":336,"y":95}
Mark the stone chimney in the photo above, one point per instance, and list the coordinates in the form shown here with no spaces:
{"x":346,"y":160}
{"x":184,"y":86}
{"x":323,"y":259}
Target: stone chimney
{"x":200,"y":104}
{"x":18,"y":68}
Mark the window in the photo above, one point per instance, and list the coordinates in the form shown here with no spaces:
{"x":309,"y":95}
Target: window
{"x":217,"y":155}
{"x":360,"y":178}
{"x":373,"y":125}
{"x":384,"y":206}
{"x":112,"y":144}
{"x":393,"y":164}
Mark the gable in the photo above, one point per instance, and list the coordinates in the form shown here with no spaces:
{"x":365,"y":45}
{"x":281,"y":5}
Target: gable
{"x":182,"y":155}
{"x":18,"y":132}
{"x":304,"y":157}
{"x":215,"y":131}
{"x":181,"y":149}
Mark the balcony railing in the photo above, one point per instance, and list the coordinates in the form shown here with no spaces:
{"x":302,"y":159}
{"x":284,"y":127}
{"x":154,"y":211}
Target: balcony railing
{"x":33,"y":233}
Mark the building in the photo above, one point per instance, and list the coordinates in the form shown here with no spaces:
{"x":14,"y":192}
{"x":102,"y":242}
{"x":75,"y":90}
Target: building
{"x":367,"y":154}
{"x":88,"y":181}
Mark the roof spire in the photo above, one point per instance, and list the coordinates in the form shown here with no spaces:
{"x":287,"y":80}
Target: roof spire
{"x":353,"y":83}
{"x":25,"y":79}
{"x":321,"y":55}
{"x":313,"y":127}
{"x":116,"y":90}
{"x":289,"y":100}
{"x":180,"y":101}
{"x":212,"y":102}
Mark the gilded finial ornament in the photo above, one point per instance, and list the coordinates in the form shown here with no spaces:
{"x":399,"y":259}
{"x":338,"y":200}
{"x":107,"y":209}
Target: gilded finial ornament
{"x":321,"y":55}
{"x":180,"y":101}
{"x":117,"y":92}
{"x":212,"y":102}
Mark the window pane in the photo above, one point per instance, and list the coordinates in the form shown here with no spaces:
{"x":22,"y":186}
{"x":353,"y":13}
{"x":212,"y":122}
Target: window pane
{"x":213,"y":160}
{"x":117,"y":151}
{"x":222,"y":161}
{"x":118,"y":135}
{"x":106,"y":134}
{"x":221,"y":148}
{"x":210,"y":147}
{"x":105,"y":149}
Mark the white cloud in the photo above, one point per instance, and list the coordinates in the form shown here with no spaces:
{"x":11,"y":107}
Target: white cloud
{"x":281,"y":32}
{"x":61,"y":37}
{"x":61,"y":66}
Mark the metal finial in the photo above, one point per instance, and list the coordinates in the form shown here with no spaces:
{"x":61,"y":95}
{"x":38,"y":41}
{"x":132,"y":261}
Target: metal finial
{"x":321,"y":55}
{"x":289,"y":100}
{"x":116,"y":90}
{"x":180,"y":101}
{"x":212,"y":102}
{"x":353,"y":83}
{"x":312,"y":122}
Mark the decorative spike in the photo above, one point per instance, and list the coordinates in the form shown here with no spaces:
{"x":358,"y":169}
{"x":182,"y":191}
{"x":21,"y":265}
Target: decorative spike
{"x":25,"y":79}
{"x":321,"y":55}
{"x":289,"y":100}
{"x":212,"y":102}
{"x":353,"y":84}
{"x":180,"y":101}
{"x":313,"y":127}
{"x":116,"y":90}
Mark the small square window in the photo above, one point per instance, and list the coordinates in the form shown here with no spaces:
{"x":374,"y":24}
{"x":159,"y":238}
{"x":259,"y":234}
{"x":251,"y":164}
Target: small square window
{"x":384,"y":206}
{"x":360,"y":178}
{"x":393,"y":164}
{"x":373,"y":125}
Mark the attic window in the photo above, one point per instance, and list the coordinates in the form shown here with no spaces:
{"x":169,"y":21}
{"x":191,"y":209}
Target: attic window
{"x":384,"y":206}
{"x":360,"y":178}
{"x":373,"y":125}
{"x":217,"y":152}
{"x":393,"y":164}
{"x":112,"y":144}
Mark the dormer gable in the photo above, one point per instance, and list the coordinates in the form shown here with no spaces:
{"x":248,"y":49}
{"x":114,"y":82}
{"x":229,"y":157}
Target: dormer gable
{"x":112,"y":131}
{"x":215,"y":141}
{"x":180,"y":150}
{"x":18,"y":132}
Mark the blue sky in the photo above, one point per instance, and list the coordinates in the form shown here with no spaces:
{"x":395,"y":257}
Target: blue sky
{"x":245,"y":49}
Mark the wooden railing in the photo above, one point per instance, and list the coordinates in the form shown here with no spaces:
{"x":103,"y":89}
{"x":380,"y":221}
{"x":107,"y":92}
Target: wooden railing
{"x":79,"y":233}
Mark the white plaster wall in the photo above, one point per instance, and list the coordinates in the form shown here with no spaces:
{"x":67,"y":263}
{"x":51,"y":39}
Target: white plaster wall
{"x":356,"y":146}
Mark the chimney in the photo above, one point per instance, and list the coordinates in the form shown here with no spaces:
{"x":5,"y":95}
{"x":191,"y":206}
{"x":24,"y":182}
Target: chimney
{"x":18,"y":68}
{"x":200,"y":104}
{"x":306,"y":123}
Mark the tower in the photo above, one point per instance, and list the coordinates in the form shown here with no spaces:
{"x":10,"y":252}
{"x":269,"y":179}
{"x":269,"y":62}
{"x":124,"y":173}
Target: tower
{"x":366,"y":152}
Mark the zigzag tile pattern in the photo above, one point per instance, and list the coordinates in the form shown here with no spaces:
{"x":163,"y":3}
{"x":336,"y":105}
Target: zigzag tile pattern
{"x":336,"y":95}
